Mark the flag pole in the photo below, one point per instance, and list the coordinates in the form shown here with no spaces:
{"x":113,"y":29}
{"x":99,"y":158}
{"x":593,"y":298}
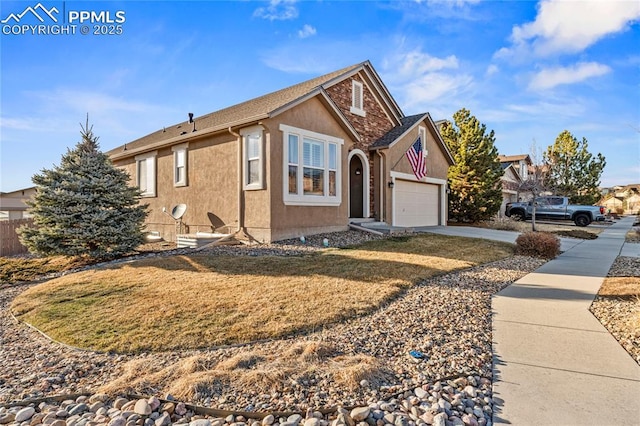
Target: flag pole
{"x":399,"y":159}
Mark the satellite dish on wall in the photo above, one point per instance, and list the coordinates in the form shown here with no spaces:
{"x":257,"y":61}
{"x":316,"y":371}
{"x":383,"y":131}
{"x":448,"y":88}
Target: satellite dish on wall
{"x":178,"y":211}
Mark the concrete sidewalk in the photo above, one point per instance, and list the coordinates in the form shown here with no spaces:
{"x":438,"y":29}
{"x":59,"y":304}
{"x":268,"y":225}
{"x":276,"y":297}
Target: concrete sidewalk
{"x":554,"y":363}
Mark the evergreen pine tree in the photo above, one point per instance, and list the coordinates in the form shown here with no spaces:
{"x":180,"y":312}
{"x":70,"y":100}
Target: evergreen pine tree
{"x":84,"y":206}
{"x":572,"y":170}
{"x":474,"y":181}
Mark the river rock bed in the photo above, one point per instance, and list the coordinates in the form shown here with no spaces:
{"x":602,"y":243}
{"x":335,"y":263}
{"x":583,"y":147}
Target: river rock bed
{"x":428,"y":354}
{"x":621,"y":316}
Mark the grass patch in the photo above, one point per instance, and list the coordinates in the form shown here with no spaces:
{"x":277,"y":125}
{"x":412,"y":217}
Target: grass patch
{"x":633,"y":236}
{"x":577,"y":233}
{"x":561,"y":229}
{"x":19,"y":269}
{"x":197,"y":301}
{"x":627,"y":287}
{"x":261,"y":371}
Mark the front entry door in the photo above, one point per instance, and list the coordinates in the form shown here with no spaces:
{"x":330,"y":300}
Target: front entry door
{"x":356,"y":186}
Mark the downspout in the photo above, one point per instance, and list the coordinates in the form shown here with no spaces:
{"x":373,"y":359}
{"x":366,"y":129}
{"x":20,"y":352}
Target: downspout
{"x":383,"y":185}
{"x":240,"y":215}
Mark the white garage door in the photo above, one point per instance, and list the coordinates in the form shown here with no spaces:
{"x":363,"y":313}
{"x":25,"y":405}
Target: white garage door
{"x":416,"y":204}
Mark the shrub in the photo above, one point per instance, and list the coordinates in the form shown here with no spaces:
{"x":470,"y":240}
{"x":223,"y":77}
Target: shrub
{"x":538,"y":244}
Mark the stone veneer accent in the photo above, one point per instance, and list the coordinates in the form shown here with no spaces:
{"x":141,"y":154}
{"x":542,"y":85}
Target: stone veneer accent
{"x":374,"y":125}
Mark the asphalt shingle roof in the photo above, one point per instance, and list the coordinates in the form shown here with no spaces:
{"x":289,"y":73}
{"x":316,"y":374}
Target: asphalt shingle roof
{"x":393,"y":134}
{"x":512,"y":158}
{"x":256,"y":107}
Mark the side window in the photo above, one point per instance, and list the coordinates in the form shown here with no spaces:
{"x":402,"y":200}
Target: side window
{"x":524,"y":171}
{"x":253,"y":158}
{"x":146,"y":173}
{"x":556,"y":201}
{"x":357,"y":98}
{"x":179,"y":165}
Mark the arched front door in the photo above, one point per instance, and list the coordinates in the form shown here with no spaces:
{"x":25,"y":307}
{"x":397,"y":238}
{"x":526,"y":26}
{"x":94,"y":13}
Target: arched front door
{"x":356,"y":187}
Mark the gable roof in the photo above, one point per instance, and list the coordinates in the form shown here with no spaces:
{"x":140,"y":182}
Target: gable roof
{"x":406,"y":124}
{"x":509,"y":167}
{"x":392,"y":135}
{"x":514,"y":158}
{"x":259,"y":108}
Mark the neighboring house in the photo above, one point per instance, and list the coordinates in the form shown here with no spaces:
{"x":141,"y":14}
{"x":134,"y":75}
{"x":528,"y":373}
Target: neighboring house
{"x":12,"y":204}
{"x":516,"y":171}
{"x":611,"y":204}
{"x":622,"y":199}
{"x":303,"y":160}
{"x":511,"y":182}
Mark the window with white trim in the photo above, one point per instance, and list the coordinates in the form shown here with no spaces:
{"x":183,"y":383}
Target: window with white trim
{"x":146,"y":173}
{"x":179,"y":165}
{"x":524,"y":171}
{"x":312,"y":172}
{"x":422,"y":132}
{"x":253,"y":158}
{"x":357,"y":98}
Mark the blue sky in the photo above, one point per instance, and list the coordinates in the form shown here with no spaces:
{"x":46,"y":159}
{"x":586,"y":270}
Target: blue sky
{"x":526,"y":69}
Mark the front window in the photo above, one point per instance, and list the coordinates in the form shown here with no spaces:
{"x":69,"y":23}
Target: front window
{"x":312,"y":167}
{"x":313,"y":161}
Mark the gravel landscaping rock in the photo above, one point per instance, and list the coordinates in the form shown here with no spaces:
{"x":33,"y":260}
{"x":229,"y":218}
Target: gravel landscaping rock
{"x":621,"y":316}
{"x":447,"y":319}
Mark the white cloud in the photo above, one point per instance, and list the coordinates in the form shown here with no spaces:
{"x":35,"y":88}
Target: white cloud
{"x":551,"y":77}
{"x":313,"y":56}
{"x":570,"y":26}
{"x":420,"y":79}
{"x":60,"y":111}
{"x":277,"y":10}
{"x":491,"y":70}
{"x":417,"y":62}
{"x":306,"y":31}
{"x":545,"y":111}
{"x":450,"y":3}
{"x":433,"y":87}
{"x":92,"y":102}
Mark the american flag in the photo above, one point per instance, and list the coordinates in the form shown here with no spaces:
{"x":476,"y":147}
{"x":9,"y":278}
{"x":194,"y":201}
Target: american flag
{"x":417,"y":160}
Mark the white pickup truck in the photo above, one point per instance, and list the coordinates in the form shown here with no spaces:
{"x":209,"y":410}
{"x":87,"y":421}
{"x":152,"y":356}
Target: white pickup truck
{"x":556,"y":208}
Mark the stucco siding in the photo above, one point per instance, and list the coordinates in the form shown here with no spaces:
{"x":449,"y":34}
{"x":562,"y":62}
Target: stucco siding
{"x":290,"y":220}
{"x":437,"y":164}
{"x":396,"y":161}
{"x":210,"y":194}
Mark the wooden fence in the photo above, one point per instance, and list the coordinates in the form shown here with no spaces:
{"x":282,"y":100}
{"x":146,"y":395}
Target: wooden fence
{"x":9,"y":243}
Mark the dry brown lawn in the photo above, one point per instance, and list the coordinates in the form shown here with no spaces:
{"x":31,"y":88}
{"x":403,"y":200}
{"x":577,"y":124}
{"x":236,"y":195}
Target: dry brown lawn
{"x":633,"y":236}
{"x":567,"y":229}
{"x":620,"y":287}
{"x":254,"y":369}
{"x":196,"y":301}
{"x":17,"y":269}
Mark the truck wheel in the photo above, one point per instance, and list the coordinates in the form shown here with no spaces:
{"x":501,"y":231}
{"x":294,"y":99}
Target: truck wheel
{"x":582,"y":220}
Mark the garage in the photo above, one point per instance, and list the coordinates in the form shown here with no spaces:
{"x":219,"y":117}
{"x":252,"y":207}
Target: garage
{"x":415,"y":203}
